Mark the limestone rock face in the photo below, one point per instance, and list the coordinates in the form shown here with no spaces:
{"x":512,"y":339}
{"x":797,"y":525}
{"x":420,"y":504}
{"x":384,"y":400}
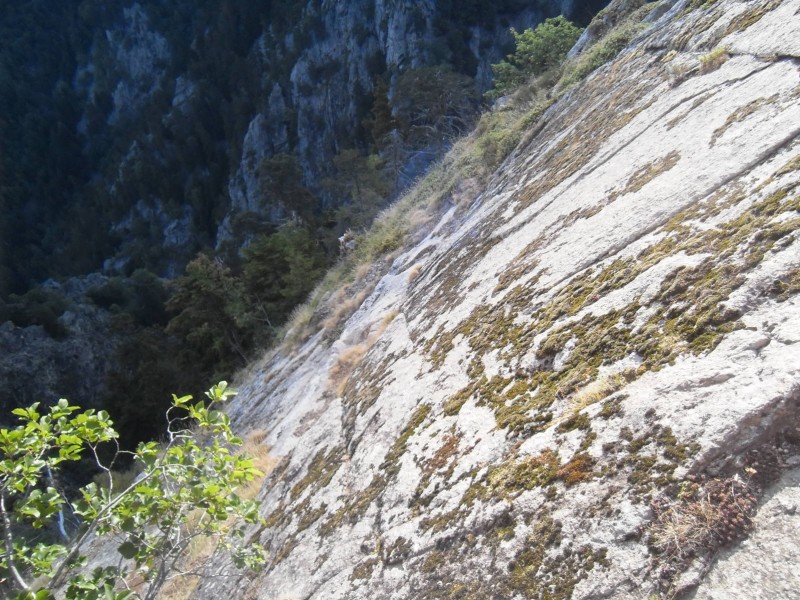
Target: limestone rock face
{"x":302,"y":88}
{"x":584,"y":380}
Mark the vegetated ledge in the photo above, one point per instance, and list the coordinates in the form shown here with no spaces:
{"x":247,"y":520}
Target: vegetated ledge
{"x":580,"y":379}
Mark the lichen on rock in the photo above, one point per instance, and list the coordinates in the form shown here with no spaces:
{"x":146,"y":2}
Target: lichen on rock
{"x":586,"y":359}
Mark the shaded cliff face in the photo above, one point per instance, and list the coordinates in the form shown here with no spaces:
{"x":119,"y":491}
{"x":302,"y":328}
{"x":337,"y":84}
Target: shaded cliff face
{"x":152,"y":120}
{"x":138,"y":133}
{"x":582,"y":379}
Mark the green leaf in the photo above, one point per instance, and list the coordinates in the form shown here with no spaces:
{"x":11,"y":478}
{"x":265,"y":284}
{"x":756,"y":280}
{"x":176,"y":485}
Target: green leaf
{"x":127,"y":550}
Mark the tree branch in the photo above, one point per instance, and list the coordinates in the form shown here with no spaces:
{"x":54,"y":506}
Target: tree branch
{"x":9,"y":543}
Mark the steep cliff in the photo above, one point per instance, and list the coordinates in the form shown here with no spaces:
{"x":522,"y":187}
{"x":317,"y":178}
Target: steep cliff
{"x":580,"y":379}
{"x":140,"y":133}
{"x":149,"y":123}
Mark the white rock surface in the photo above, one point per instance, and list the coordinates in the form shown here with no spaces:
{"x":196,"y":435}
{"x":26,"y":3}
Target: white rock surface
{"x":613,"y":321}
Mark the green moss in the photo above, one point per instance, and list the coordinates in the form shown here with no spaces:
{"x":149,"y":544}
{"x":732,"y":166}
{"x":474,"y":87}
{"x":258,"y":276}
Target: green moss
{"x":310,"y":516}
{"x":673,"y":450}
{"x":439,"y":347}
{"x":749,"y":17}
{"x":356,"y":506}
{"x":787,"y":285}
{"x":740,"y":113}
{"x":320,"y":471}
{"x":442,"y":521}
{"x":503,"y":528}
{"x":399,"y":447}
{"x":398,"y":551}
{"x":611,"y":408}
{"x":433,"y":561}
{"x":284,"y":550}
{"x":602,"y":51}
{"x":452,"y":405}
{"x":512,"y":477}
{"x":713,"y":61}
{"x":277,"y":517}
{"x":578,"y":420}
{"x":442,"y":463}
{"x":653,"y":471}
{"x":364,"y":569}
{"x":648,"y":173}
{"x":790,"y":167}
{"x":587,"y":441}
{"x":578,"y":469}
{"x":539,"y":572}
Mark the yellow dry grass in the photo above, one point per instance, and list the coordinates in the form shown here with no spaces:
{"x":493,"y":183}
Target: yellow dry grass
{"x":344,"y":308}
{"x":597,"y":390}
{"x":594,"y":392}
{"x":350,"y":357}
{"x":414,"y":272}
{"x":346,"y":362}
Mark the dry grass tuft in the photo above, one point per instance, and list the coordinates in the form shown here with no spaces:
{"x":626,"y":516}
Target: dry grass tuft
{"x":386,"y":320}
{"x":466,"y":192}
{"x":180,"y":588}
{"x":414,"y":272}
{"x":202,"y":548}
{"x":299,"y":327}
{"x":419,"y":219}
{"x":344,"y":307}
{"x":596,"y":391}
{"x":346,"y":362}
{"x":349,"y":358}
{"x":265,"y":462}
{"x":362,"y":271}
{"x":702,"y":519}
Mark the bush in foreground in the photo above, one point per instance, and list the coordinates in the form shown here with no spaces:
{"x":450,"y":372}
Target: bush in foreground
{"x":186,"y":490}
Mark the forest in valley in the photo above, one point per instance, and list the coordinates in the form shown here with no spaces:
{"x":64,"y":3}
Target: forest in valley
{"x":127,"y":127}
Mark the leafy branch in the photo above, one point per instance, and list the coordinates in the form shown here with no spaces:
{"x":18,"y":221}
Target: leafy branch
{"x":186,"y":489}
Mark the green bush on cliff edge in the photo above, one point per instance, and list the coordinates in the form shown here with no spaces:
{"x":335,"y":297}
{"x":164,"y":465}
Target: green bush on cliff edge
{"x":536,"y":50}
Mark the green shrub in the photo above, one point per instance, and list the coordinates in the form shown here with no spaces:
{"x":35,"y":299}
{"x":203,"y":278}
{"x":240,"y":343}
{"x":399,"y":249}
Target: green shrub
{"x":536,"y":50}
{"x":112,"y":293}
{"x":38,"y":306}
{"x":186,"y":491}
{"x":142,"y":295}
{"x":279,"y":272}
{"x":203,"y":303}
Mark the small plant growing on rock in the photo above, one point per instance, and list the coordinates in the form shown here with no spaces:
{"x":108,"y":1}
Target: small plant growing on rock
{"x":714,"y":59}
{"x":702,"y":518}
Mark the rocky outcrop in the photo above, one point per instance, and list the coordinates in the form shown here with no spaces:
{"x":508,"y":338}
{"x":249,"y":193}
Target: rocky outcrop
{"x":331,"y":80}
{"x":37,"y":367}
{"x":582,"y":381}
